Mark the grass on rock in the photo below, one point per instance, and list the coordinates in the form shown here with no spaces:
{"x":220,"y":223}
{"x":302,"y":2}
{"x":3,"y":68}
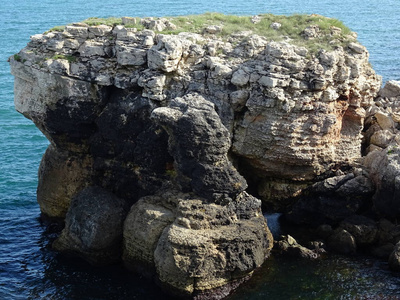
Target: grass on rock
{"x":292,"y":27}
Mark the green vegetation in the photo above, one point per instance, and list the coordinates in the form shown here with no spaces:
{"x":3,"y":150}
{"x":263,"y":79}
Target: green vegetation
{"x":392,"y":150}
{"x":17,"y":57}
{"x":292,"y":27}
{"x":100,"y":21}
{"x":67,"y":57}
{"x":112,"y":21}
{"x":57,"y":29}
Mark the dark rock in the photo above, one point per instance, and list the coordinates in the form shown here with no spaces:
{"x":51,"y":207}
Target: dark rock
{"x":288,"y":245}
{"x":332,"y":200}
{"x":394,"y":258}
{"x":199,"y":143}
{"x":93,"y":227}
{"x":126,"y":160}
{"x":363,"y":229}
{"x":324,"y":231}
{"x":383,"y":251}
{"x":342,"y":241}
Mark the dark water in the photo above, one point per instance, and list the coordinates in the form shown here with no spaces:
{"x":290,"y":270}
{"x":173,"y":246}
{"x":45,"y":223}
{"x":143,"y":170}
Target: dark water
{"x":28,"y":267}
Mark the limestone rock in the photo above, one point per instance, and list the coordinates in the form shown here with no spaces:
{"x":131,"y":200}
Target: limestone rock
{"x":93,"y":227}
{"x":290,"y":246}
{"x":61,"y":176}
{"x":152,"y":217}
{"x":166,"y":54}
{"x":172,"y":123}
{"x":193,"y":245}
{"x":391,"y":89}
{"x":293,"y":115}
{"x":199,"y":143}
{"x":385,"y":172}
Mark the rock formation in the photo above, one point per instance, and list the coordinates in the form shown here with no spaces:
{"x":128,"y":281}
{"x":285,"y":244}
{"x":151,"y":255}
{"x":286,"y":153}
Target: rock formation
{"x":176,"y":126}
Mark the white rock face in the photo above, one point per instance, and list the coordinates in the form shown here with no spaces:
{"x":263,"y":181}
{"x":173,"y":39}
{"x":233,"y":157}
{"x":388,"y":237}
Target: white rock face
{"x":292,"y":115}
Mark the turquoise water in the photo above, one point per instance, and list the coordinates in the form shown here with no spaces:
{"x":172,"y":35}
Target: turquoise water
{"x":30,"y":270}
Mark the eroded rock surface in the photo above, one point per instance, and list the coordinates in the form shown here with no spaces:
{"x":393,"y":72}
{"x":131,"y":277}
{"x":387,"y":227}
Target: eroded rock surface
{"x":93,"y":226}
{"x":292,"y":115}
{"x":171,"y":125}
{"x":195,"y":245}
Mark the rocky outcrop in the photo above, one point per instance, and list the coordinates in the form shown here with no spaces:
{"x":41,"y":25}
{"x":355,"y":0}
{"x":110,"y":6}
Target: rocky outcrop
{"x":288,"y":245}
{"x":293,"y":115}
{"x":177,"y":126}
{"x":195,"y":246}
{"x":93,"y":226}
{"x":383,"y":149}
{"x":333,"y":199}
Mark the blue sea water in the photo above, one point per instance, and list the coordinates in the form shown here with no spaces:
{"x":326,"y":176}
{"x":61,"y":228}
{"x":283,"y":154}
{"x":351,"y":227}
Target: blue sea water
{"x":28,"y":267}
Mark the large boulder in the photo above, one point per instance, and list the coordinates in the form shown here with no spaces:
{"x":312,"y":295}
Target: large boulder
{"x":93,"y":227}
{"x":342,"y":241}
{"x":333,"y":199}
{"x":62,"y":175}
{"x":384,"y":166}
{"x":195,"y":246}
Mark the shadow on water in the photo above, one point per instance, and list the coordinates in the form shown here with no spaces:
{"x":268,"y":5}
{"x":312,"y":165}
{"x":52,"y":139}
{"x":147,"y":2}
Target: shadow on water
{"x":34,"y":271}
{"x":330,"y":277}
{"x":30,"y":269}
{"x":73,"y":278}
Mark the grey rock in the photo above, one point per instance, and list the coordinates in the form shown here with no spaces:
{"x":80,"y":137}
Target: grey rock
{"x":391,"y":89}
{"x":276,"y":25}
{"x":288,"y":245}
{"x":199,"y":143}
{"x":93,"y":226}
{"x":384,"y":168}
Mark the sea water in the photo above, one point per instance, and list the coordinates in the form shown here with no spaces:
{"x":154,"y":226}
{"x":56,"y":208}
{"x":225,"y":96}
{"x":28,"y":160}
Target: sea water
{"x":29,"y":269}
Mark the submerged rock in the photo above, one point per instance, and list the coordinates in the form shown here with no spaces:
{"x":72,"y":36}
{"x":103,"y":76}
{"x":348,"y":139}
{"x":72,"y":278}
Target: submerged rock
{"x":288,"y":245}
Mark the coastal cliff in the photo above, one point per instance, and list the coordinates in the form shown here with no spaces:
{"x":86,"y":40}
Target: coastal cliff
{"x":165,"y":143}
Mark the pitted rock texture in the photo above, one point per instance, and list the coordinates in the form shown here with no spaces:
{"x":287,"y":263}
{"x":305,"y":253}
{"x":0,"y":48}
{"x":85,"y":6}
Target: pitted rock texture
{"x":292,"y":115}
{"x":167,"y":124}
{"x":93,"y":226}
{"x":382,"y":146}
{"x":195,"y":245}
{"x":199,"y":143}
